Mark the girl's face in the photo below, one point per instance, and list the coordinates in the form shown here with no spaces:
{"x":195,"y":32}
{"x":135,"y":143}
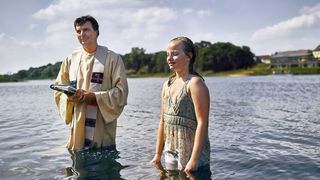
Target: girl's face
{"x":177,"y":59}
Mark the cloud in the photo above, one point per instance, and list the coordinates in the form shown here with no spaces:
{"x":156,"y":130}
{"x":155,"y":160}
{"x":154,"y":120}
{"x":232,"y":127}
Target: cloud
{"x":2,"y":35}
{"x":63,"y":8}
{"x":17,"y":54}
{"x":32,"y":27}
{"x":310,"y":10}
{"x":126,"y":20}
{"x":309,"y":17}
{"x":59,"y":26}
{"x":199,"y":13}
{"x":134,"y":24}
{"x":203,"y":13}
{"x":123,"y":24}
{"x":202,"y":36}
{"x":188,"y":10}
{"x":13,"y":50}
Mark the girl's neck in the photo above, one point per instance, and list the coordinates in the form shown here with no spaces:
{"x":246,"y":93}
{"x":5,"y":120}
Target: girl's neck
{"x":182,"y":75}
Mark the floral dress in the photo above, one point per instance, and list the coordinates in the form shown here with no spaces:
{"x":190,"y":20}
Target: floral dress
{"x":179,"y":131}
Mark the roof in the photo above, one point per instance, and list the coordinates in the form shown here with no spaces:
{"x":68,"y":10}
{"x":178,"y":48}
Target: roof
{"x":296,"y":53}
{"x":317,"y":48}
{"x":264,"y":56}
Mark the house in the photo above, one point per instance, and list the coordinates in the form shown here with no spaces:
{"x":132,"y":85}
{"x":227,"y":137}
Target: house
{"x":297,"y":58}
{"x":316,"y":53}
{"x":265,"y":59}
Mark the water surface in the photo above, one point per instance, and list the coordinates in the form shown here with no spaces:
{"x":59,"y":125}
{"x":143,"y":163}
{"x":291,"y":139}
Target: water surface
{"x":264,"y":127}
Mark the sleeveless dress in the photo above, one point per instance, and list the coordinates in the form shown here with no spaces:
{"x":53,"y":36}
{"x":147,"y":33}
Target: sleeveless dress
{"x":179,"y":131}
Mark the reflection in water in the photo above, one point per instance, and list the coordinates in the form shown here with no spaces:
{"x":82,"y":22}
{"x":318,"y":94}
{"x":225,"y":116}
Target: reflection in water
{"x":201,"y":174}
{"x":95,"y":164}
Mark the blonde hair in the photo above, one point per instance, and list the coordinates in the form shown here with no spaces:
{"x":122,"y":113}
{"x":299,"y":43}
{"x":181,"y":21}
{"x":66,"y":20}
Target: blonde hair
{"x":188,"y":47}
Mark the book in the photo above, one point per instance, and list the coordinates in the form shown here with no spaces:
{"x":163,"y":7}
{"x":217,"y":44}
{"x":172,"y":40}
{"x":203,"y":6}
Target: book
{"x":67,"y":89}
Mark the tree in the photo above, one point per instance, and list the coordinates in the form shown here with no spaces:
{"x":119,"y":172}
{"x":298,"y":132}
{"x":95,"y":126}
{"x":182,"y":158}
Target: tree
{"x":134,"y":59}
{"x":160,"y":62}
{"x":223,"y":56}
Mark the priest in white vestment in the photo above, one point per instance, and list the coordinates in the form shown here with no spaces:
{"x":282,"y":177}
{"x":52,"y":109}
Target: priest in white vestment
{"x":99,"y":76}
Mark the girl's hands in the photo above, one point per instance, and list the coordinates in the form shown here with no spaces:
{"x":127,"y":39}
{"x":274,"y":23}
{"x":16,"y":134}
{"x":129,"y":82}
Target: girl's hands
{"x":156,"y":162}
{"x":156,"y":159}
{"x":191,"y":166}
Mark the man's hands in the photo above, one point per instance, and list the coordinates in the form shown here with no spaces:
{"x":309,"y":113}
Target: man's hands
{"x":83,"y":96}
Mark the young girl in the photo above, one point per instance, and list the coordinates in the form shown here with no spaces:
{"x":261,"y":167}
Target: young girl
{"x":183,"y":128}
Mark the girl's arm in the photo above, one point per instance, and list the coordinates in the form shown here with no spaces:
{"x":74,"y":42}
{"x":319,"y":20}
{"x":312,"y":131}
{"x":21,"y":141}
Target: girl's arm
{"x":201,"y":100}
{"x":160,"y":136}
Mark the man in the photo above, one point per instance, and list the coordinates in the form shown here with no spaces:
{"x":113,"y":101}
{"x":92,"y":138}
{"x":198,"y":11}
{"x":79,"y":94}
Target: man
{"x":99,"y":76}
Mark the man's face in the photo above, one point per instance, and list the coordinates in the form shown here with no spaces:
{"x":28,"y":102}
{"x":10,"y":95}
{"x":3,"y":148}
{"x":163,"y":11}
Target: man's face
{"x":86,"y":34}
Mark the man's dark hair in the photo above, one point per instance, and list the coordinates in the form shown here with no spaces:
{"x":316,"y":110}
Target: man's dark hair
{"x":83,"y":19}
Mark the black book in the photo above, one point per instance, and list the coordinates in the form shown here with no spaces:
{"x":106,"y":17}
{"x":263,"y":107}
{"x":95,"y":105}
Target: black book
{"x":68,"y":90}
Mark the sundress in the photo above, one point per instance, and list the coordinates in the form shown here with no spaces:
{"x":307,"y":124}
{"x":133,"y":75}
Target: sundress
{"x":179,"y":131}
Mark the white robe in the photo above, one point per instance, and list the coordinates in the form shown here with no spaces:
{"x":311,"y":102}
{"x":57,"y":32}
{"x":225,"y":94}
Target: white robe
{"x":111,"y":99}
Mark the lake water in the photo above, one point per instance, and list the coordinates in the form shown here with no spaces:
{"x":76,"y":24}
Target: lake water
{"x":264,"y":127}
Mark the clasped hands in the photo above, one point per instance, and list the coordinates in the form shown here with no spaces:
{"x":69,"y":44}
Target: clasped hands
{"x":82,"y":96}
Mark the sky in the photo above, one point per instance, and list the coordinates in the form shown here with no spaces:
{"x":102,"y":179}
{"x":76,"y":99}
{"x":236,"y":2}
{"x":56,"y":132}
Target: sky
{"x":34,"y":33}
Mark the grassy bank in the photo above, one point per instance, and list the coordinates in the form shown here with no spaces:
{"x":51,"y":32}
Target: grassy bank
{"x":7,"y":78}
{"x":260,"y":69}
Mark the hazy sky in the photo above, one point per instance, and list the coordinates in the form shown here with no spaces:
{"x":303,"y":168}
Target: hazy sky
{"x":37,"y":32}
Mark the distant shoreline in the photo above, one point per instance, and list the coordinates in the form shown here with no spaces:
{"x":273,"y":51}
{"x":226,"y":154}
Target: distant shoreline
{"x":258,"y":70}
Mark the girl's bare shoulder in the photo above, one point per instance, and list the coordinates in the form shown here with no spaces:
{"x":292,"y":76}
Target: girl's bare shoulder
{"x":196,"y":81}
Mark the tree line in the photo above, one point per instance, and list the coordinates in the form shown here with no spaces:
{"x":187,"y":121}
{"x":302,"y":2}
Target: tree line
{"x":216,"y":57}
{"x":48,"y":71}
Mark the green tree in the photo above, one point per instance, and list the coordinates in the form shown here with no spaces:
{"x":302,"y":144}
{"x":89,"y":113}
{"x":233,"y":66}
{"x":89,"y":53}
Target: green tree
{"x":223,"y":56}
{"x":159,"y":60}
{"x":135,"y":58}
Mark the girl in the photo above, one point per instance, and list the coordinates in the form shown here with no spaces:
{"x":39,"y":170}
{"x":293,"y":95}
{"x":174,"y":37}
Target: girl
{"x":183,"y":128}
